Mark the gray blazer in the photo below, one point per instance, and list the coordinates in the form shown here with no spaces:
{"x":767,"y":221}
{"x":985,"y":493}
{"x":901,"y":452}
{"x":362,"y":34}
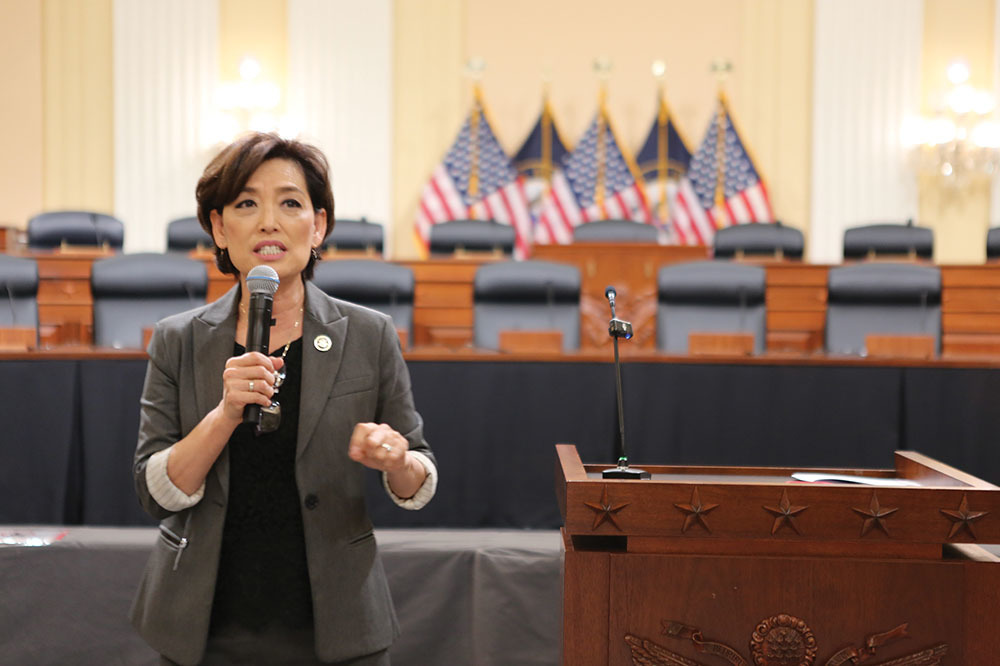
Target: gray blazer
{"x":361,"y":378}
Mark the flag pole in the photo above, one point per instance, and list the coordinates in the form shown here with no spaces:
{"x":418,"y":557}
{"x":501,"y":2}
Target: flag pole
{"x":602,"y":66}
{"x":546,"y":137}
{"x":475,"y":68}
{"x":721,"y":69}
{"x":662,"y":140}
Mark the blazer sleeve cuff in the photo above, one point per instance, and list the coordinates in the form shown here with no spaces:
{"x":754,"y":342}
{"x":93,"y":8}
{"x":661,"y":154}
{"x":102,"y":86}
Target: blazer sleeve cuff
{"x":424,"y":493}
{"x":163,"y":490}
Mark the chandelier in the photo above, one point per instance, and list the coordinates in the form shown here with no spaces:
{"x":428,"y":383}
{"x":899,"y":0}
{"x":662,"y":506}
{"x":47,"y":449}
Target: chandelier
{"x":960,"y":142}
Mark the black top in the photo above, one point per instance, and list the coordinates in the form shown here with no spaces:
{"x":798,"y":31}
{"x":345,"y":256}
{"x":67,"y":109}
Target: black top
{"x":263,"y":576}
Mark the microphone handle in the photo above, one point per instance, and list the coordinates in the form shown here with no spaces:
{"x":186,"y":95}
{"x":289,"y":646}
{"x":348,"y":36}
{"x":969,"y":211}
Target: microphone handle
{"x":258,"y":340}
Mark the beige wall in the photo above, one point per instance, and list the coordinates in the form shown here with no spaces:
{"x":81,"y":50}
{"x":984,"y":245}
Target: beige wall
{"x":253,"y":28}
{"x":78,"y":153}
{"x":21,"y":114}
{"x":960,"y":217}
{"x":524,"y":43}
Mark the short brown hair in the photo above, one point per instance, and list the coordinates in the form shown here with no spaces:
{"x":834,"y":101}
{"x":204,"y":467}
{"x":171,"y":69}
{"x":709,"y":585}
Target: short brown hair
{"x":226,"y":176}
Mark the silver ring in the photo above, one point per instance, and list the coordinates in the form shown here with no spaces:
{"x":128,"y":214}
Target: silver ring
{"x":251,"y":386}
{"x":387,"y":447}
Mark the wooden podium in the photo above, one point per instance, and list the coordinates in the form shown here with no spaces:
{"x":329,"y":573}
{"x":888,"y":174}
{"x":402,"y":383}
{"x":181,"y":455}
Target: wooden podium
{"x":726,"y":565}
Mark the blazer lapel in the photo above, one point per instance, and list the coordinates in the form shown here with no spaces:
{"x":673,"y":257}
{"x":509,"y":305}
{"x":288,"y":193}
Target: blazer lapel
{"x":214,"y":334}
{"x":319,"y":368}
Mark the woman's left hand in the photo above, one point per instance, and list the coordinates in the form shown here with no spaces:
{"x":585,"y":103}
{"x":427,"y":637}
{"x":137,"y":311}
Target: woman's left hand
{"x":378,"y":446}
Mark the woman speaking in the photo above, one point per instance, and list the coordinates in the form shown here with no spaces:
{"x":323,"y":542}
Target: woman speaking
{"x":266,"y":553}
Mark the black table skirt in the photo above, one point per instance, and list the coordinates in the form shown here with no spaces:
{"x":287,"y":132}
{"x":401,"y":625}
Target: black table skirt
{"x":70,"y":429}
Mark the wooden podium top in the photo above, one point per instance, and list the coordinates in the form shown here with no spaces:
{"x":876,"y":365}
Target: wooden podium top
{"x":764,"y":511}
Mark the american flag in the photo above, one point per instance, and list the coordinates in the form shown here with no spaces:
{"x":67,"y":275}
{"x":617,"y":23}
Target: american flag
{"x":663,"y":160}
{"x":594,"y":182}
{"x":476,"y":180}
{"x":539,"y":158}
{"x":743,"y":196}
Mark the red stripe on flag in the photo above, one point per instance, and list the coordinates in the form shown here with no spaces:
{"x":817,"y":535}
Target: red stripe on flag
{"x":682,"y":200}
{"x":444,"y":202}
{"x":746,"y":202}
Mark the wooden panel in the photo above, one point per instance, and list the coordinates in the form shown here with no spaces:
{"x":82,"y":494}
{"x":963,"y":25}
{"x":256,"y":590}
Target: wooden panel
{"x":444,"y":270}
{"x":18,"y":338}
{"x":800,"y":342}
{"x":708,"y":344}
{"x":796,"y":321}
{"x":971,"y":300}
{"x":796,"y":275}
{"x":449,"y":317}
{"x":442,"y":295}
{"x":67,"y":291}
{"x":987,"y":275}
{"x":586,"y":595}
{"x":900,"y":346}
{"x":806,"y":298}
{"x":970,"y":323}
{"x":970,"y":344}
{"x":529,"y":342}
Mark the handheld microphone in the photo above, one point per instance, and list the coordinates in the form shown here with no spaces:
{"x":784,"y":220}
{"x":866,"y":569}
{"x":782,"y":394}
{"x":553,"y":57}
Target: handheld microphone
{"x":262,"y":282}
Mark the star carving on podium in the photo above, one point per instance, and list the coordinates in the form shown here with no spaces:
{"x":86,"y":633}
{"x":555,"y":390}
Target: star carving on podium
{"x":963,"y":518}
{"x":695,"y":511}
{"x":785,"y":512}
{"x":605,"y":511}
{"x":874,"y":515}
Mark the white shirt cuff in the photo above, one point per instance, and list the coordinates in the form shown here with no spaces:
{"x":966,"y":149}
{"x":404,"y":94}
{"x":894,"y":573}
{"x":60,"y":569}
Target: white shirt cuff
{"x":163,"y":490}
{"x":424,"y":493}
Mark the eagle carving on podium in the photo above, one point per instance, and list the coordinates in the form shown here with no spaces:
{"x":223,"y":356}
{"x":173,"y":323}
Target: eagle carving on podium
{"x":781,"y":640}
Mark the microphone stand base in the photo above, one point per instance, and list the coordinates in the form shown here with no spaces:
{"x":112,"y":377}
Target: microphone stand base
{"x":625,"y":473}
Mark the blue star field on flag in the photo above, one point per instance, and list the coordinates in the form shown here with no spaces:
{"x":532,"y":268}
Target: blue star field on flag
{"x":494,"y":167}
{"x":581,"y":166}
{"x":703,"y":171}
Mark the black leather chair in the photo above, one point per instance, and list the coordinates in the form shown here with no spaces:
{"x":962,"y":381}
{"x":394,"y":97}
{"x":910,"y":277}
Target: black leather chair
{"x":186,"y":234}
{"x":374,"y":284}
{"x":526,"y":296}
{"x":993,"y":243}
{"x":18,"y":292}
{"x":709,"y":297}
{"x":882,"y":240}
{"x":74,"y":227}
{"x":356,"y":235}
{"x":471,"y":235}
{"x":758,"y":239}
{"x":881,"y":298}
{"x":615,"y":231}
{"x":134,"y":291}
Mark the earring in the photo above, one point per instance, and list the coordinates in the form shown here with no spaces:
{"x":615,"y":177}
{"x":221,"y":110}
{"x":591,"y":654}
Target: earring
{"x":315,"y":254}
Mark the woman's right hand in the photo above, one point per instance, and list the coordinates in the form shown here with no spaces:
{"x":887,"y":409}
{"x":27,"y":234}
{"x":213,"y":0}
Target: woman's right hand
{"x":248,"y":379}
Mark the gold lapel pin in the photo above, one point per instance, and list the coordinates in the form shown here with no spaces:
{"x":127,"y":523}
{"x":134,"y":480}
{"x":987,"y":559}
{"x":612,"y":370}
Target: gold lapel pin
{"x":322,"y":343}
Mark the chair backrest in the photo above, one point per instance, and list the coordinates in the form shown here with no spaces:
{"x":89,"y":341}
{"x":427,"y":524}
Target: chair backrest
{"x":760,"y":239}
{"x":888,"y":240}
{"x":993,"y":243}
{"x":881,"y":298}
{"x":18,"y":292}
{"x":186,"y":234}
{"x":374,"y":284}
{"x":134,"y":291}
{"x":356,"y":235}
{"x":709,"y":297}
{"x":615,"y":231}
{"x":74,"y":227}
{"x":526,"y":296}
{"x":472,"y":235}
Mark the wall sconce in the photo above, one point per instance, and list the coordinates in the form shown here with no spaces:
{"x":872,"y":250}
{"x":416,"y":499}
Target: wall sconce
{"x":249,"y":104}
{"x":961,"y":141}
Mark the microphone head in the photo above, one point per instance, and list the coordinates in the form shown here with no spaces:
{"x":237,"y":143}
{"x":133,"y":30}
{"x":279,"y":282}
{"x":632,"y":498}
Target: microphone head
{"x":262,"y":280}
{"x":609,"y":293}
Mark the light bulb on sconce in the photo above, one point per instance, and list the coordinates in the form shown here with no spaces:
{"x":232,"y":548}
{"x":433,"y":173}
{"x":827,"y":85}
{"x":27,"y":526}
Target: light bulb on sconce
{"x":960,"y":141}
{"x":250,"y":103}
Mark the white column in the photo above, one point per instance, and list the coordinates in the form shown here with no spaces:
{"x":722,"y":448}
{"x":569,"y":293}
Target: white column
{"x":340,"y":95}
{"x":165,"y":70}
{"x":866,"y":81}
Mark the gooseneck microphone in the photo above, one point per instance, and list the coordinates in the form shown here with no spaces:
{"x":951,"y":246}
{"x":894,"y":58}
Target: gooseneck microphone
{"x":618,"y":328}
{"x":262,"y":282}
